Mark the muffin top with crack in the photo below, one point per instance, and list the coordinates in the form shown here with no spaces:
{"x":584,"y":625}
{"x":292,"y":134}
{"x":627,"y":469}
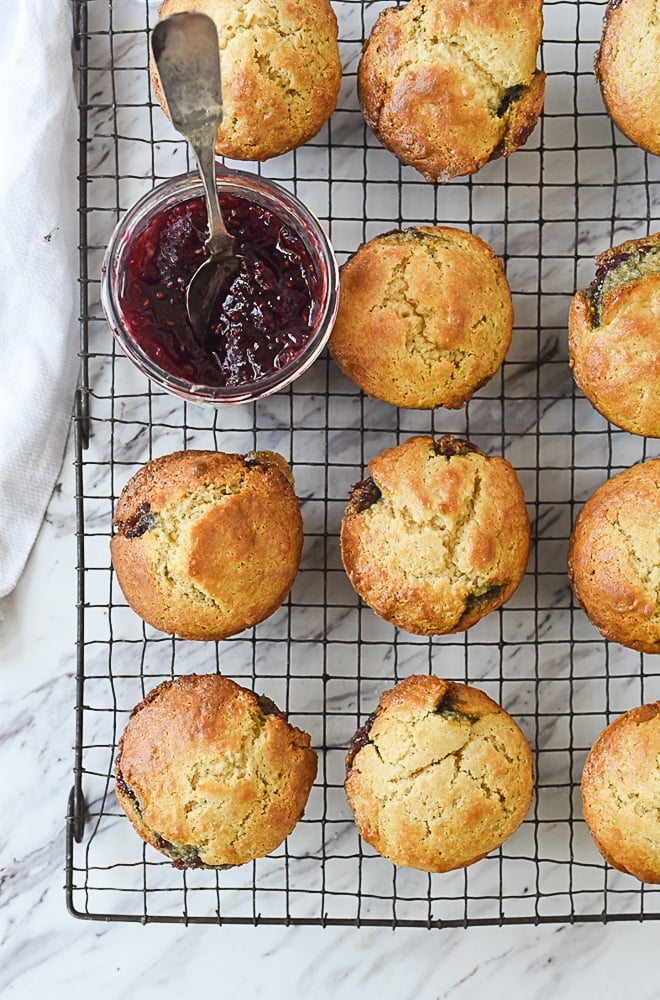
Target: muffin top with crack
{"x":621,"y":793}
{"x":207,"y":543}
{"x":211,"y":774}
{"x":437,"y":536}
{"x":425,"y":317}
{"x":614,"y":336}
{"x":628,"y":70}
{"x":447,"y":85}
{"x":280,"y":69}
{"x":614,"y":557}
{"x":439,"y":776}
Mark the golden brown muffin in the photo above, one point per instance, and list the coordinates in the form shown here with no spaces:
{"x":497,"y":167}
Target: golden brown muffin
{"x":425,"y":317}
{"x":447,"y":85}
{"x":628,"y":70}
{"x":614,"y":336}
{"x":621,"y":793}
{"x":211,"y":774}
{"x":280,"y":68}
{"x":207,"y":544}
{"x":614,"y":558}
{"x":437,"y":535}
{"x":439,"y":776}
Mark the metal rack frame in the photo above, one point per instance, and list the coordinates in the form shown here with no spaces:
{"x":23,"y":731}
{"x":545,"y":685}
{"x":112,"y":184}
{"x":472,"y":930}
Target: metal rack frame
{"x":576,"y":187}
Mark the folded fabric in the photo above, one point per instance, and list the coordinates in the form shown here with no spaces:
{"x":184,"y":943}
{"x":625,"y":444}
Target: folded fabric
{"x":38,"y":197}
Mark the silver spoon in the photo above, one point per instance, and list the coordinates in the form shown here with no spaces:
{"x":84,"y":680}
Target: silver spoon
{"x":185,"y":50}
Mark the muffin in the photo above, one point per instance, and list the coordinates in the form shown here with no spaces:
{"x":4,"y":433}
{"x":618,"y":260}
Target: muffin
{"x":280,"y":68}
{"x":628,"y":70}
{"x":614,"y":336}
{"x":439,"y":776}
{"x":621,"y":793}
{"x":425,"y":317}
{"x":448,"y":86}
{"x":211,"y":774}
{"x":614,"y":558}
{"x":207,"y":544}
{"x":436,"y":536}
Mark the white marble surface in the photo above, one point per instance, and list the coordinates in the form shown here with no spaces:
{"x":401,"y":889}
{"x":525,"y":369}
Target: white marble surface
{"x":547,"y":210}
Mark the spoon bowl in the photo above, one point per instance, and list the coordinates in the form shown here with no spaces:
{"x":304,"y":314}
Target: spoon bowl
{"x":204,"y":289}
{"x":186,"y":52}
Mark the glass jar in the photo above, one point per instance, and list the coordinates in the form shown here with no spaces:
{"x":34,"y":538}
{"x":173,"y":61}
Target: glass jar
{"x":159,"y":349}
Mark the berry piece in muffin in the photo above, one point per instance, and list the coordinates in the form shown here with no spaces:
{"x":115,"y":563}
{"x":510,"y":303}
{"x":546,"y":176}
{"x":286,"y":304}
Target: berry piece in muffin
{"x":425,"y":317}
{"x":439,"y":776}
{"x":614,"y":336}
{"x":280,"y":68}
{"x":621,"y":793}
{"x":437,"y":536}
{"x":207,"y":544}
{"x":211,"y":774}
{"x":447,"y":85}
{"x":614,"y":558}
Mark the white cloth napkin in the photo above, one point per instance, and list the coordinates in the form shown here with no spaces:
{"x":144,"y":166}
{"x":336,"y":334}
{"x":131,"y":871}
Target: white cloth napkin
{"x":38,"y":199}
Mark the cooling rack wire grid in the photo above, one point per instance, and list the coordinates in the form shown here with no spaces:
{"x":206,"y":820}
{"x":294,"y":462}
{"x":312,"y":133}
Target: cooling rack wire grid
{"x":577,"y":187}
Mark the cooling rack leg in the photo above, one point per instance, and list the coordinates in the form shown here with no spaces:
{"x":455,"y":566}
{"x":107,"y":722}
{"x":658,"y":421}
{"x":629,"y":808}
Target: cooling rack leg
{"x":81,"y":415}
{"x":75,"y":818}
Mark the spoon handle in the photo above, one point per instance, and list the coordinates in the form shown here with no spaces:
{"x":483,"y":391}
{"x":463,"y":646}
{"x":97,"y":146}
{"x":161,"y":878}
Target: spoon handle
{"x":186,"y":52}
{"x":219,"y":241}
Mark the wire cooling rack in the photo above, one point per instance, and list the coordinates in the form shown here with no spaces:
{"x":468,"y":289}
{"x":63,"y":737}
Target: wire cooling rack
{"x":576,"y":188}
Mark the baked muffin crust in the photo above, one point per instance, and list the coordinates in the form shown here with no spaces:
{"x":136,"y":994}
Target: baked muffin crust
{"x":425,"y":317}
{"x":628,"y":70}
{"x":621,"y":793}
{"x":437,"y":536}
{"x":447,"y":86}
{"x":614,"y":336}
{"x":280,"y":68}
{"x":211,"y":774}
{"x":614,"y":558}
{"x":439,"y":776}
{"x":207,"y":544}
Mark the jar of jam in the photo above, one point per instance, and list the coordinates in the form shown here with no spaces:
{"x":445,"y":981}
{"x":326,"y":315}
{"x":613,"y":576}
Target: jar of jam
{"x":273,"y":315}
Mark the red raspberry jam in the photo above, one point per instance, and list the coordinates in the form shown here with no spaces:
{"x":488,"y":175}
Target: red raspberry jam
{"x":264,"y":315}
